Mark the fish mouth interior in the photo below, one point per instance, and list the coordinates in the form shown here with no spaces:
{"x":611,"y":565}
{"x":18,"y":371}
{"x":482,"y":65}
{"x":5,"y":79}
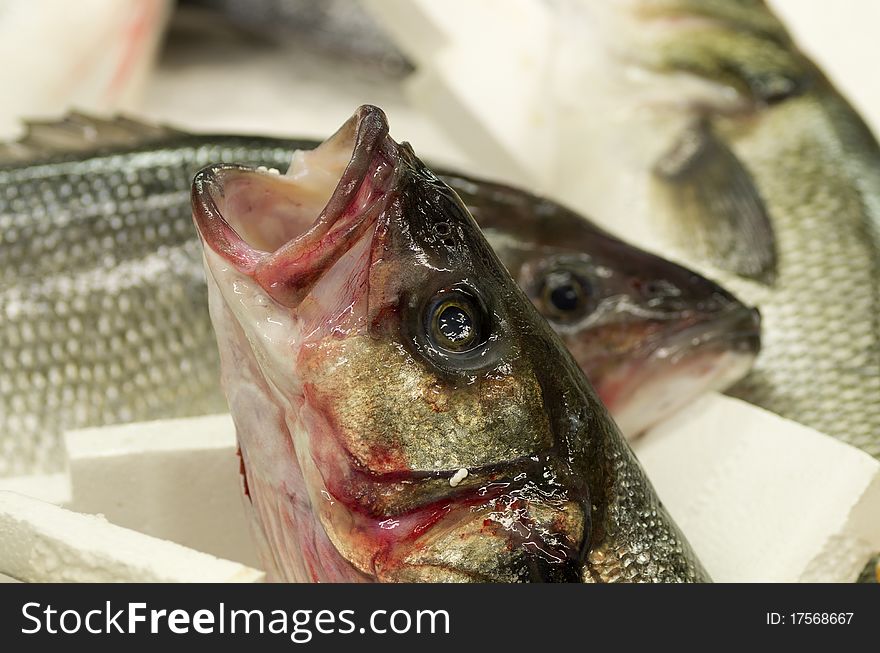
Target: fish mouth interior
{"x":286,"y":230}
{"x":268,"y":210}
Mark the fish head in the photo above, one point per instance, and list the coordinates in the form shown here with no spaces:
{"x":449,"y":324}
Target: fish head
{"x":657,"y":336}
{"x":387,"y":376}
{"x":651,"y":335}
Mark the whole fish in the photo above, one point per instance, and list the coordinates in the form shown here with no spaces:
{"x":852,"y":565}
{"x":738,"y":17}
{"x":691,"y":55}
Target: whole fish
{"x":102,"y":294}
{"x":403,"y":412}
{"x":709,"y":137}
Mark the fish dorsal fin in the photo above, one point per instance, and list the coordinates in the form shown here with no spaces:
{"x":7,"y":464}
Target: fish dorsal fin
{"x":79,"y":133}
{"x":717,"y":206}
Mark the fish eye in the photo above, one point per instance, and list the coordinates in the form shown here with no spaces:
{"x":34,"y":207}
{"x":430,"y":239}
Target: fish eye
{"x":455,"y":321}
{"x":565,"y":295}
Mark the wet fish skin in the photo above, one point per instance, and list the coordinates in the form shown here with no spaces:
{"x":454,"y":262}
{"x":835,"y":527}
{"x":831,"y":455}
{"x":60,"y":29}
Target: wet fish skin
{"x":102,"y":290}
{"x":650,"y":335}
{"x":403,"y":411}
{"x":739,"y":158}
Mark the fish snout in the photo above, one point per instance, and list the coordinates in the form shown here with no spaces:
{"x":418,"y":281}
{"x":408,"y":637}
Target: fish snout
{"x":716,"y":316}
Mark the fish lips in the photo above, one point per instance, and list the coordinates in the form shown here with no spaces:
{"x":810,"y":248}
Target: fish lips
{"x":733,"y":327}
{"x":704,"y":353}
{"x":737,"y":328}
{"x":502,"y":524}
{"x":253,"y":218}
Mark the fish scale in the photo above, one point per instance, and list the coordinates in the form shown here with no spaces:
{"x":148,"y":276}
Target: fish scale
{"x":820,"y":314}
{"x":102,"y":294}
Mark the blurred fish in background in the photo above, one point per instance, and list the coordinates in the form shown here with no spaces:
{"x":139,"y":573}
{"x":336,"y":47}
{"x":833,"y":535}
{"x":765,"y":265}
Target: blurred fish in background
{"x":339,"y":28}
{"x":707,"y":132}
{"x":282,"y":67}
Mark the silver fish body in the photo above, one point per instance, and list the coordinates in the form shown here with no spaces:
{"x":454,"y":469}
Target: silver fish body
{"x":104,"y":317}
{"x":821,"y":362}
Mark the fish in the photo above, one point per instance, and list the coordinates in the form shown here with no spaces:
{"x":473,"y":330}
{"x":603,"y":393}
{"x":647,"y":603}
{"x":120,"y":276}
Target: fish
{"x":652,"y":336}
{"x":105,"y":320}
{"x":711,"y":139}
{"x":403,"y":412}
{"x":335,"y":28}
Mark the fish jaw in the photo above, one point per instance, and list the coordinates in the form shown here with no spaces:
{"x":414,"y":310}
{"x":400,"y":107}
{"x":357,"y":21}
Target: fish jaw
{"x":652,"y":398}
{"x":290,"y":541}
{"x":342,"y":486}
{"x":667,"y":372}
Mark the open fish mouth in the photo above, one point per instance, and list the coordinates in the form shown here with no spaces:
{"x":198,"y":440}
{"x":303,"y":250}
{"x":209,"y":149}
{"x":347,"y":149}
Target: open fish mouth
{"x":320,"y":322}
{"x":264,"y":222}
{"x":662,"y":375}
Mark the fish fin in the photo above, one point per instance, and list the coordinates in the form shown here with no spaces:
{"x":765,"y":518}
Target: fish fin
{"x":718,"y":207}
{"x":78,"y":133}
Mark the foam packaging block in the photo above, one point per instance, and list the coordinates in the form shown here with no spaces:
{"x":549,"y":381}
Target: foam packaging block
{"x":762,"y":498}
{"x":175,"y":479}
{"x":40,"y":542}
{"x":51,"y":488}
{"x":759,"y":497}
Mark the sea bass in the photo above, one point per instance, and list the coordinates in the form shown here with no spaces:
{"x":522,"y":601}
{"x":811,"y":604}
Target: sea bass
{"x":403,"y":412}
{"x":102,"y":291}
{"x":703,"y":133}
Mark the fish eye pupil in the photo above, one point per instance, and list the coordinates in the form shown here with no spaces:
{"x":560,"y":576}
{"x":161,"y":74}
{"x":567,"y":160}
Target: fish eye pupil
{"x":455,"y":324}
{"x":565,"y":297}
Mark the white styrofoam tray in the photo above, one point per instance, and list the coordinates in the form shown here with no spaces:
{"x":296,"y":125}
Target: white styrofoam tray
{"x":759,"y":497}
